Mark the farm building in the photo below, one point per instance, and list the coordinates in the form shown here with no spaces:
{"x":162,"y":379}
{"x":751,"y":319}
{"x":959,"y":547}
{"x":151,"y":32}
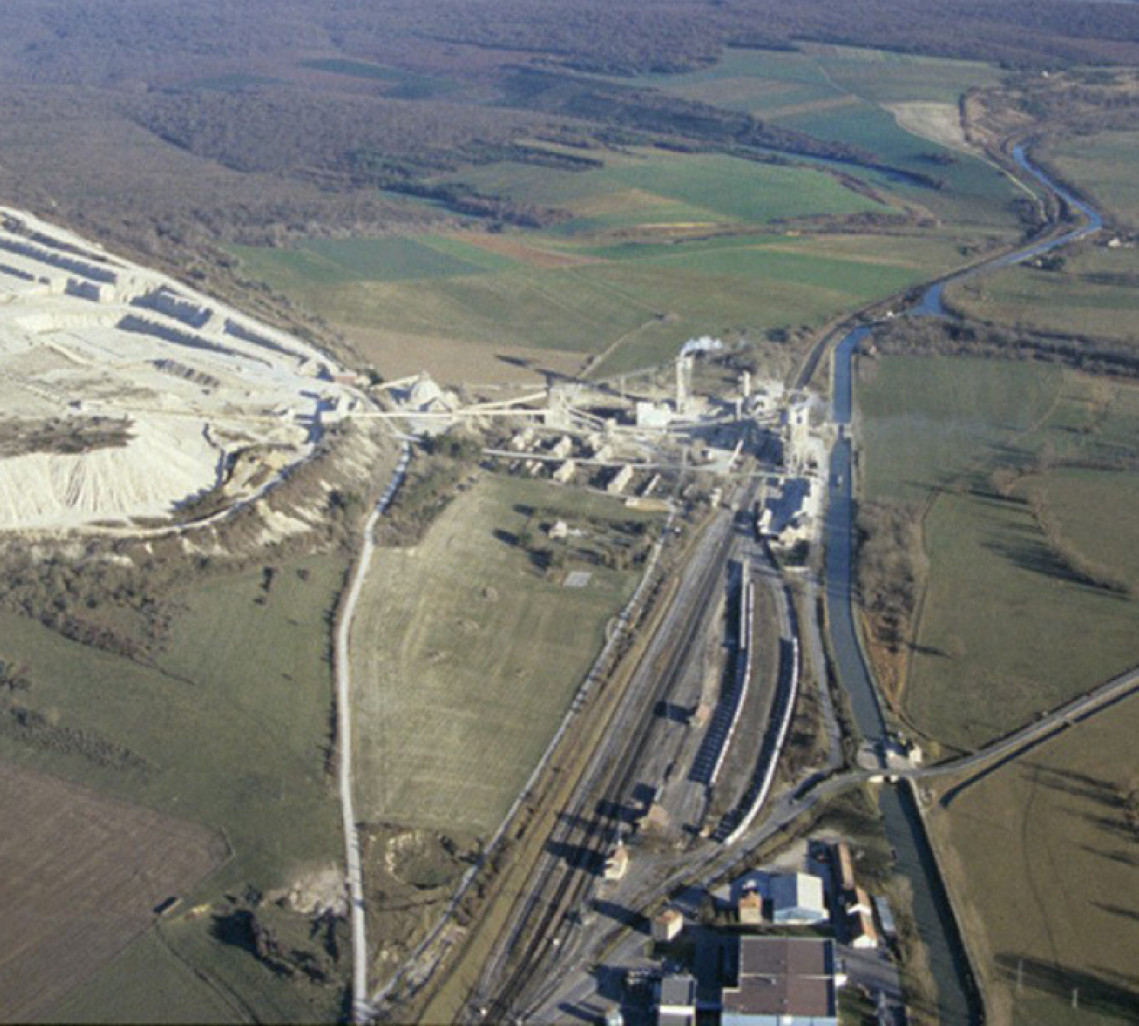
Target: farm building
{"x":783,"y":981}
{"x":797,"y":898}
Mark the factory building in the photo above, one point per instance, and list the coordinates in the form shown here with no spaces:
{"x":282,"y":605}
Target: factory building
{"x":783,"y":981}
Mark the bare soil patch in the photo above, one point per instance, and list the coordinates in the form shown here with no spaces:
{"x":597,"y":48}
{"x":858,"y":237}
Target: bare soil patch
{"x":938,"y":122}
{"x":80,"y":876}
{"x":455,"y":362}
{"x":515,"y":248}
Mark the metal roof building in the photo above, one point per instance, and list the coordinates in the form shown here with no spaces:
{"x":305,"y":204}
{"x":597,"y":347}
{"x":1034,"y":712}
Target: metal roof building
{"x":783,"y":981}
{"x":797,"y":898}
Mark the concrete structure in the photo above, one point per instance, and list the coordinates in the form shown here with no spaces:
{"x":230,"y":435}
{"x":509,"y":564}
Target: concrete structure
{"x":653,"y":416}
{"x":783,"y":981}
{"x":861,"y":902}
{"x":797,"y":899}
{"x":863,"y":935}
{"x":683,"y":382}
{"x":667,"y":925}
{"x":562,"y":447}
{"x":565,"y":473}
{"x":676,"y":1001}
{"x":750,"y":909}
{"x":620,"y":481}
{"x":845,"y":866}
{"x":617,"y":865}
{"x":886,"y":918}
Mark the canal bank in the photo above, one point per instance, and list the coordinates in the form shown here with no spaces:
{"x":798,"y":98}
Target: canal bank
{"x":959,"y":1000}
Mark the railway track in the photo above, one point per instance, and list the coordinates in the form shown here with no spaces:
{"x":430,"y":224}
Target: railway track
{"x":592,"y":823}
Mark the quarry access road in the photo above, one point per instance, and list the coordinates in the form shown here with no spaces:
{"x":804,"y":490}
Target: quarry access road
{"x":361,"y":1011}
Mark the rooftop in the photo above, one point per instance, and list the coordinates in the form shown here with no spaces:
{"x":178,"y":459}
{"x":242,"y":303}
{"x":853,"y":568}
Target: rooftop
{"x":782,"y":956}
{"x":678,"y":991}
{"x":782,"y":995}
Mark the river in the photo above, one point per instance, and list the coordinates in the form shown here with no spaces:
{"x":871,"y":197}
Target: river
{"x":958,"y":999}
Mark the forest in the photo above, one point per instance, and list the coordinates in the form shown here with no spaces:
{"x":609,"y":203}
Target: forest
{"x":169,"y":129}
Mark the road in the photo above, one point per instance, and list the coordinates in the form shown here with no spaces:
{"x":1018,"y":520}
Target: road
{"x":360,"y":1005}
{"x":1005,"y":749}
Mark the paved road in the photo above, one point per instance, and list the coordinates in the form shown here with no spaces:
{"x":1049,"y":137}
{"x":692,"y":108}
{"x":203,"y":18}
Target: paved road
{"x":1014,"y":745}
{"x":360,"y":1007}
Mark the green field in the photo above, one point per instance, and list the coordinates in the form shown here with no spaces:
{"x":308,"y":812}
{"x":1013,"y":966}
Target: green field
{"x":1094,"y":294}
{"x":405,"y":85}
{"x":928,"y":420}
{"x":657,"y":190}
{"x":660,"y":246}
{"x":1008,"y":628}
{"x":232,"y":723}
{"x":651,"y":297}
{"x":842,"y":93}
{"x":467,"y":655}
{"x":758,"y":80}
{"x":324,"y":262}
{"x":172,"y":992}
{"x":1040,"y":856}
{"x":1100,"y":166}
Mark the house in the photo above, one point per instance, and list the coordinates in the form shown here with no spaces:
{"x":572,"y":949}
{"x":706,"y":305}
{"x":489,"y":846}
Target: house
{"x":667,"y":925}
{"x":676,"y":1004}
{"x":797,"y":899}
{"x":783,"y":981}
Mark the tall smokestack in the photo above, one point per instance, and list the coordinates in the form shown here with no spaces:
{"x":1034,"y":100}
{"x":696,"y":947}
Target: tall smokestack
{"x":683,"y":363}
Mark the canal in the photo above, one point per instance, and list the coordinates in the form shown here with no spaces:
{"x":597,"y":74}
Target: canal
{"x":958,"y":998}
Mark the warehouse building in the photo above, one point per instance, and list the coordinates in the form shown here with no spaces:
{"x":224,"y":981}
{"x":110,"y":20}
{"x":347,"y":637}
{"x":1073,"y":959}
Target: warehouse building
{"x":783,"y":981}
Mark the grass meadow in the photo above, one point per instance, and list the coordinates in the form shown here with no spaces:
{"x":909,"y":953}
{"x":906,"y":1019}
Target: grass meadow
{"x":1007,"y":627}
{"x":1040,"y":857}
{"x":467,"y":655}
{"x":1100,"y":165}
{"x":1094,"y":294}
{"x":231,"y":725}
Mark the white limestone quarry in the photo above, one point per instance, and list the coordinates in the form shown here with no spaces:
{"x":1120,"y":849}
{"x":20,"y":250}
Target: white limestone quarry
{"x":203,"y":390}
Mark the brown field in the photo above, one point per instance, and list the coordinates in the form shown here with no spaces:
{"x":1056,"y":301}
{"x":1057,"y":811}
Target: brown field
{"x":810,"y":107}
{"x":535,"y":256}
{"x":81,"y":876}
{"x":454,"y":362}
{"x":1043,"y":858}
